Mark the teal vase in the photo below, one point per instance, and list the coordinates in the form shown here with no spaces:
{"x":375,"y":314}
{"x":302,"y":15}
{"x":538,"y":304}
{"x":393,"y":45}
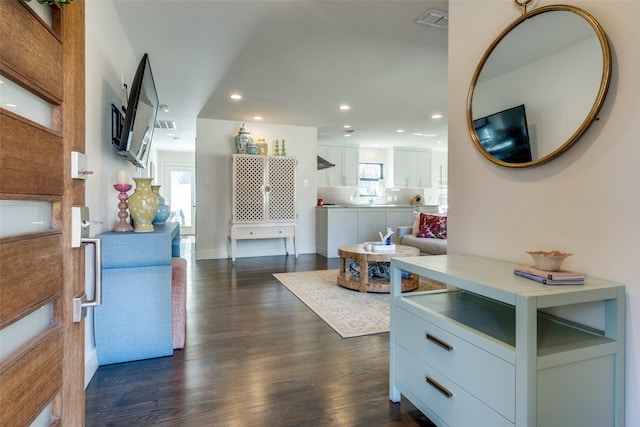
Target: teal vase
{"x":162,"y":214}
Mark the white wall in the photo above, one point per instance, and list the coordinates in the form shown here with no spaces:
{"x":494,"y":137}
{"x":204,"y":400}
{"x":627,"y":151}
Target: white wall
{"x":586,"y":201}
{"x":214,"y":148}
{"x":108,"y":55}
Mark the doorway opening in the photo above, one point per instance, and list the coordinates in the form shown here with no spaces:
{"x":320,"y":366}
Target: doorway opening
{"x":180,"y":194}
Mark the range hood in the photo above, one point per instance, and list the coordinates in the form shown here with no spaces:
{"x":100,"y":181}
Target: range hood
{"x":324,"y":164}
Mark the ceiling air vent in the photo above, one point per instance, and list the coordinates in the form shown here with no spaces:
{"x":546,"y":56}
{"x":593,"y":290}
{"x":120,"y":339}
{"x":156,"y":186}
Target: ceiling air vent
{"x":434,"y":18}
{"x":166,"y":124}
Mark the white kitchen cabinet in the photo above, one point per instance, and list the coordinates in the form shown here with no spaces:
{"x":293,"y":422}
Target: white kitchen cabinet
{"x":412,"y":168}
{"x":483,"y":351}
{"x":263,"y":204}
{"x":343,"y":226}
{"x":345,"y":171}
{"x":371,"y":221}
{"x":335,"y":227}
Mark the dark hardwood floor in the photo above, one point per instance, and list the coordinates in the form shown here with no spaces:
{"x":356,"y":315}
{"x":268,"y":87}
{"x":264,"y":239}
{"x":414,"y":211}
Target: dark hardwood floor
{"x":254,"y":356}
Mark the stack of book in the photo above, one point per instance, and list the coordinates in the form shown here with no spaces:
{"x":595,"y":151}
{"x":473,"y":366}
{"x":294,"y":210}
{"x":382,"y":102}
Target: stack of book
{"x":549,"y":277}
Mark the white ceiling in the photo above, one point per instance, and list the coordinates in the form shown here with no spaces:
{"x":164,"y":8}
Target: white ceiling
{"x":294,"y":62}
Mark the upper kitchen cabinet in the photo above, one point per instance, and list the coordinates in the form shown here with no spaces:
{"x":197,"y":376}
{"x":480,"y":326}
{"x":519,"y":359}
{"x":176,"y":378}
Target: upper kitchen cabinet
{"x":412,"y":168}
{"x":345,"y":172}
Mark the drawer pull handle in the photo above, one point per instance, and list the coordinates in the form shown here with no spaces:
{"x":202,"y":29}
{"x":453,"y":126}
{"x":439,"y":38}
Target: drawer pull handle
{"x":251,"y":232}
{"x":433,"y":383}
{"x":439,"y":342}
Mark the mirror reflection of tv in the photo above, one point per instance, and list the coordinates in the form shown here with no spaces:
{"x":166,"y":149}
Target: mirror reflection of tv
{"x":132,"y":133}
{"x":505,"y":135}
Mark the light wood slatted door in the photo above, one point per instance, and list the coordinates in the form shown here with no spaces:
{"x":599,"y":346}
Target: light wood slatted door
{"x":39,"y":269}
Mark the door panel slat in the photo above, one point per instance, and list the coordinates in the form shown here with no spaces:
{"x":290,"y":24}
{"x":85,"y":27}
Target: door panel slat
{"x":30,"y":158}
{"x":31,"y":272}
{"x":26,"y":45}
{"x":39,"y":366}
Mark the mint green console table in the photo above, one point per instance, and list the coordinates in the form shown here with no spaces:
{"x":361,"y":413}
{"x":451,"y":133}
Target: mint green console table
{"x":484,"y":353}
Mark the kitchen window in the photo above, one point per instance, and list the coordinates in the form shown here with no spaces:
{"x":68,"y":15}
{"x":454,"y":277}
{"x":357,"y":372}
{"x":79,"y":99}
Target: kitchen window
{"x":370,"y":178}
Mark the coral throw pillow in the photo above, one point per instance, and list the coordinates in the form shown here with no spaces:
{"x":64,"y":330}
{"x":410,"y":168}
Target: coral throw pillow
{"x":433,"y":226}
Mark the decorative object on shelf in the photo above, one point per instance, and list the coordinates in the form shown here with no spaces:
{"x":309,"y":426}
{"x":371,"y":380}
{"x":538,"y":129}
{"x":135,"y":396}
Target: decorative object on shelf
{"x":164,"y":210}
{"x":276,"y":150}
{"x":377,"y":269}
{"x":416,"y":201}
{"x":283,"y":152}
{"x":123,"y":224}
{"x":548,"y":260}
{"x":263,"y":148}
{"x":143,"y":205}
{"x":252,"y":148}
{"x":243,"y":139}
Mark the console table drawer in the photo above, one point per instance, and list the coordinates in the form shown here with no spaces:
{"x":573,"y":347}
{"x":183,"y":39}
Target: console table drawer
{"x":263,"y":232}
{"x":451,"y":403}
{"x":459,"y":360}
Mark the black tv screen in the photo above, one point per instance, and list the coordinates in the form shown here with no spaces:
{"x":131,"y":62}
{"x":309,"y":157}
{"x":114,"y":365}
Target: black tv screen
{"x":136,"y":131}
{"x":505,"y":135}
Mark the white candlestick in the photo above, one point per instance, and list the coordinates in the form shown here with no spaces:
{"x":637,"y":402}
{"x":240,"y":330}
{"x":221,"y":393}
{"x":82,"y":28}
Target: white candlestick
{"x":122,"y":177}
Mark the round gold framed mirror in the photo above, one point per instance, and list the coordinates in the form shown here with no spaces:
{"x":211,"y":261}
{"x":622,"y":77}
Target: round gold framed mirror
{"x":539,"y":86}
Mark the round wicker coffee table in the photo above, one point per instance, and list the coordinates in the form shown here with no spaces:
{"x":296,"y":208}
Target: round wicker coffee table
{"x":363,"y":282}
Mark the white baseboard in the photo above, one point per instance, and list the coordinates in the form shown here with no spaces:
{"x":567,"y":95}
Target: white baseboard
{"x":249,"y":252}
{"x":90,"y":366}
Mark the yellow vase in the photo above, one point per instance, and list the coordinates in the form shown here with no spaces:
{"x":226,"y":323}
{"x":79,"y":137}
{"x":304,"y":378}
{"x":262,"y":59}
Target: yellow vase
{"x":143,"y":205}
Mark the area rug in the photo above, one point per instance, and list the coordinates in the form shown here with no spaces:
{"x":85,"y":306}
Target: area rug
{"x":350,"y":313}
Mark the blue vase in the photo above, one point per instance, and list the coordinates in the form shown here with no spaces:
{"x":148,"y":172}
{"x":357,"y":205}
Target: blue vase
{"x":164,"y":210}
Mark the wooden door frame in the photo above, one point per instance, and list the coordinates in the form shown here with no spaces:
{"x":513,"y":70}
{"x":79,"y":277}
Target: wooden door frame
{"x":69,"y":405}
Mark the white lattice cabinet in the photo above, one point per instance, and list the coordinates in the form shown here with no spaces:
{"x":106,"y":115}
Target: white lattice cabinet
{"x":263,"y":204}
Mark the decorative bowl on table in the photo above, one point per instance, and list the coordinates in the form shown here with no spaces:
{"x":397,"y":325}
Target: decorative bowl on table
{"x":378,"y":247}
{"x":548,"y":260}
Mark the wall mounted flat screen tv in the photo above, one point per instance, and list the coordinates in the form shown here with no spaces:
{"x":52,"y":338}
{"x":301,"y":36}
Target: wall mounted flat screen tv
{"x":132,"y":131}
{"x":505,"y":135}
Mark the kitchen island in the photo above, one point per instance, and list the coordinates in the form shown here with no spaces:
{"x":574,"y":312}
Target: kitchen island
{"x":338,"y":225}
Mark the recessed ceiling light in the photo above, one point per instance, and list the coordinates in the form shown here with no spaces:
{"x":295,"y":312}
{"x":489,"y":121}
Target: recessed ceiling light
{"x":346,"y":135}
{"x":164,"y":108}
{"x":436,"y":116}
{"x":235,"y":96}
{"x":257,"y":118}
{"x":344,"y":107}
{"x":400,"y":130}
{"x":439,"y":142}
{"x":10,"y":105}
{"x":347,"y":126}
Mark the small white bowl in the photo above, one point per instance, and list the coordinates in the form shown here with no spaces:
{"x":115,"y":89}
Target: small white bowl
{"x":548,"y":260}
